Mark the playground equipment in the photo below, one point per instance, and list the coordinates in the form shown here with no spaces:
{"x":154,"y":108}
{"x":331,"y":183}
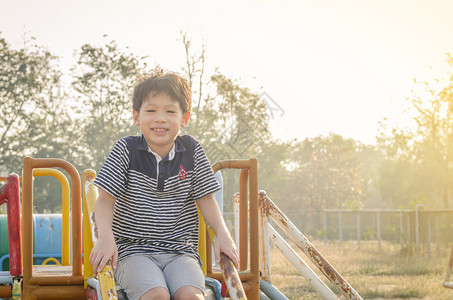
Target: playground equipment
{"x":249,"y":277}
{"x":269,"y":209}
{"x":73,"y":278}
{"x":105,"y":286}
{"x":51,"y":282}
{"x":47,"y":240}
{"x":68,"y":281}
{"x":9,"y":193}
{"x":50,"y":231}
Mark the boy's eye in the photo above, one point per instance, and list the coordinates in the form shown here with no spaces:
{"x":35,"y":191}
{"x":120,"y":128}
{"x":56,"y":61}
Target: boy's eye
{"x":150,"y":110}
{"x":171,"y":111}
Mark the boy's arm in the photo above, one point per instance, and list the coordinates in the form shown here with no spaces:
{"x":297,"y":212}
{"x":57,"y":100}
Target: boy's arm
{"x":105,"y":247}
{"x":223,"y":241}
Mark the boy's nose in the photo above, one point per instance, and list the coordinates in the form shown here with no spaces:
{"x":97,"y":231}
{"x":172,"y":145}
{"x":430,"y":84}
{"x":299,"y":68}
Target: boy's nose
{"x":160,"y":118}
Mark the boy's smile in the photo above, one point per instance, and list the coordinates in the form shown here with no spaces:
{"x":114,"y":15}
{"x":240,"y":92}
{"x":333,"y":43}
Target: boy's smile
{"x":160,"y":118}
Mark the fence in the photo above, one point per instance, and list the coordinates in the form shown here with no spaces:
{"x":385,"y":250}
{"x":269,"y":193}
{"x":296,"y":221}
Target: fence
{"x":419,"y":231}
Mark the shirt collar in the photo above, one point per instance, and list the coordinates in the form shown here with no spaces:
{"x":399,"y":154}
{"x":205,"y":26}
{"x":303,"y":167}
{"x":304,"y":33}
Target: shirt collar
{"x":178,"y":146}
{"x":170,"y":154}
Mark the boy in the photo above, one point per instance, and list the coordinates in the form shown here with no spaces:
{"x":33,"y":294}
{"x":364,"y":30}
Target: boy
{"x":149,"y":187}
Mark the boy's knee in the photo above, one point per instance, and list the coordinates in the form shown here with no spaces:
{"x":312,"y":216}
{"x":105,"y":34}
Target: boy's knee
{"x":188,"y":293}
{"x":158,"y":293}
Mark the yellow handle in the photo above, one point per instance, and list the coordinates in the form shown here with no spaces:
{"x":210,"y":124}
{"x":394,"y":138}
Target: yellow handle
{"x":107,"y":283}
{"x":51,"y":259}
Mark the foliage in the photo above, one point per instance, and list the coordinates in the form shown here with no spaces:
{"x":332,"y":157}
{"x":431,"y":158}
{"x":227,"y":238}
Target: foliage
{"x":30,"y":104}
{"x":272,"y":172}
{"x":42,"y":117}
{"x":35,"y":121}
{"x":231,"y":122}
{"x":104,"y":78}
{"x":419,"y":162}
{"x":328,"y":173}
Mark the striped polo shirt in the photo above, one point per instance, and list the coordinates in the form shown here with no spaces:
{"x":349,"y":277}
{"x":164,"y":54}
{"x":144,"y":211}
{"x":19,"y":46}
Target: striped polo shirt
{"x":155,"y":210}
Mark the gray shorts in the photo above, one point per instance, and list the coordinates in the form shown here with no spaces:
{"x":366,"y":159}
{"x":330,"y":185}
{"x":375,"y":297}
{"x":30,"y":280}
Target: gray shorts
{"x":138,"y":274}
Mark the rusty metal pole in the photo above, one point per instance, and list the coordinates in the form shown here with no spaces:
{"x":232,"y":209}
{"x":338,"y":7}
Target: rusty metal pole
{"x":236,"y":218}
{"x":265,"y":266}
{"x":312,"y":253}
{"x":250,"y":278}
{"x":27,"y":222}
{"x":254,"y":242}
{"x":33,"y":286}
{"x":243,"y":219}
{"x":300,"y":265}
{"x":230,"y":274}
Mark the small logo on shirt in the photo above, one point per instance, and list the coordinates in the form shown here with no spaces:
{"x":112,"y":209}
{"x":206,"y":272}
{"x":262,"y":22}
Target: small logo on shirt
{"x":182,"y":173}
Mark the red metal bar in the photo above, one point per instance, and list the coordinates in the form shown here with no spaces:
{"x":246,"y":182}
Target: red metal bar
{"x":10,"y":194}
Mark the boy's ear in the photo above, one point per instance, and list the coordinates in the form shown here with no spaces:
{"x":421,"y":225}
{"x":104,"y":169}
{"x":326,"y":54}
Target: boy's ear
{"x":135,"y":117}
{"x":185,"y":119}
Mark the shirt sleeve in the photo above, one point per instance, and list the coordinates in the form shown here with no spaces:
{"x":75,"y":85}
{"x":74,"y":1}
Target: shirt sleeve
{"x":113,"y":175}
{"x":204,"y":181}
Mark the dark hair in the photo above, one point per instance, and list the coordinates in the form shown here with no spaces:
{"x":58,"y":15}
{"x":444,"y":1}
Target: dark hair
{"x":159,"y":82}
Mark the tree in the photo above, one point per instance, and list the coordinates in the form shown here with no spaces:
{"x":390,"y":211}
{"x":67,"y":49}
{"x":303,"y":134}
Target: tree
{"x":104,"y":78}
{"x":327,"y":174}
{"x":273,"y":171}
{"x":231,"y":121}
{"x":425,"y":153}
{"x":30,"y":103}
{"x":35,"y":118}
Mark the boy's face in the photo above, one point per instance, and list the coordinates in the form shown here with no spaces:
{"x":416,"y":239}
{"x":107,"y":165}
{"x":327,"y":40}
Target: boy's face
{"x":160,"y":118}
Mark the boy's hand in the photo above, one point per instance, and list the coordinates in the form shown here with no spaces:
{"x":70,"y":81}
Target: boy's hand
{"x":103,"y":250}
{"x":224,"y":244}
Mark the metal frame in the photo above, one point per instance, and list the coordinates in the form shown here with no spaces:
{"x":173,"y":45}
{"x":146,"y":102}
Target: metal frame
{"x":105,"y":280}
{"x":61,"y":282}
{"x":250,"y":278}
{"x":9,"y":194}
{"x":65,"y":209}
{"x":270,"y":209}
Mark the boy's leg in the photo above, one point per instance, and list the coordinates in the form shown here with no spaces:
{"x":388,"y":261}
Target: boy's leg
{"x":157,"y":293}
{"x":185,"y":279}
{"x":188,"y":292}
{"x":140,"y":276}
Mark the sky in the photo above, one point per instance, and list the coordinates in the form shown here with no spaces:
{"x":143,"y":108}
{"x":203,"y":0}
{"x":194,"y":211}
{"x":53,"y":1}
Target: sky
{"x":322,"y":66}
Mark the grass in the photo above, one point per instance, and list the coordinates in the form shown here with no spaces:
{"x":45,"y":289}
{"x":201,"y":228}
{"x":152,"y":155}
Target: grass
{"x":385,"y":275}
